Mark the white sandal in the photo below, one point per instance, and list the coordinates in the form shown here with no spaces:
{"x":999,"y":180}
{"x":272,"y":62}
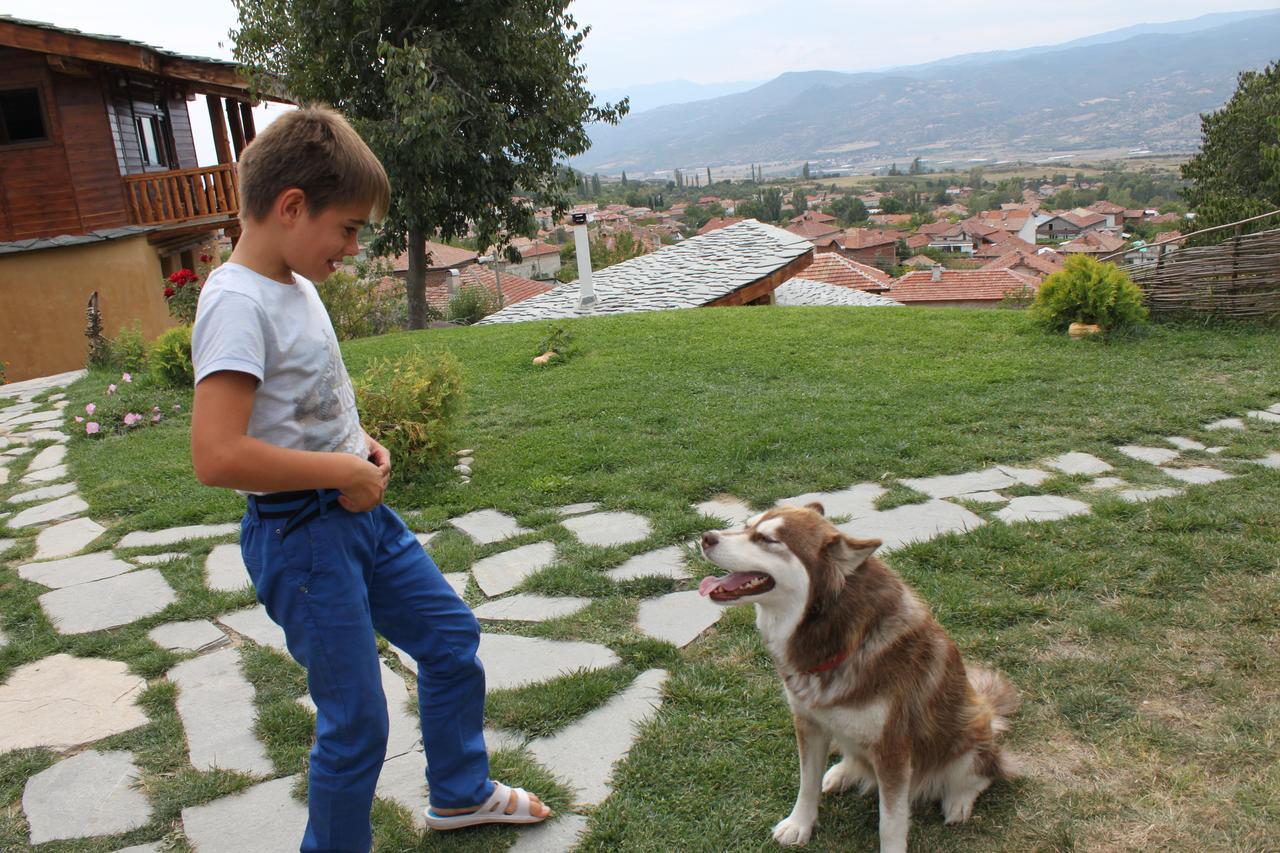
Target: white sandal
{"x":493,"y":810}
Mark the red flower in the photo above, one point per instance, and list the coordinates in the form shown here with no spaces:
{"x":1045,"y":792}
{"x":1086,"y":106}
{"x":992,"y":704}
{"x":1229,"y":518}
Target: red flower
{"x":168,"y":293}
{"x":204,"y":259}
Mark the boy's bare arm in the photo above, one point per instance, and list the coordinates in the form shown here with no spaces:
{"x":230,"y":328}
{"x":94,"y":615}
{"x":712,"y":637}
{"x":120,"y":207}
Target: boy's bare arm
{"x":224,"y":455}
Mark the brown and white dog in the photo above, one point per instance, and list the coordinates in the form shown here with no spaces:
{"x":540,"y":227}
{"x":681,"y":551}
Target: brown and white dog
{"x":866,"y":668}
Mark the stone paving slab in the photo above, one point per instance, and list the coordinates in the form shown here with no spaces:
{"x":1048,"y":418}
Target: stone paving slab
{"x":56,"y":510}
{"x":43,"y":493}
{"x":254,"y":623}
{"x":13,"y":452}
{"x":457,"y":580}
{"x":514,"y":661}
{"x":215,"y":702}
{"x":153,"y":847}
{"x":1214,"y":450}
{"x":728,"y":508}
{"x":1198,"y":476}
{"x":41,"y":384}
{"x":678,"y":617}
{"x":156,"y":559}
{"x":424,"y":539}
{"x":191,"y":636}
{"x":1183,"y":443}
{"x":1079,"y":463}
{"x":46,"y":475}
{"x":1025,"y":476}
{"x":6,"y":544}
{"x":1226,"y":423}
{"x":556,"y":835}
{"x":1153,"y":455}
{"x":72,"y":571}
{"x":486,"y":526}
{"x":1271,"y":460}
{"x":403,"y":779}
{"x":855,"y":501}
{"x":224,"y":569}
{"x":107,"y":603}
{"x":1137,"y":496}
{"x":68,"y":537}
{"x":405,"y":730}
{"x":4,"y":475}
{"x":93,"y":793}
{"x":954,"y":485}
{"x":1267,"y":417}
{"x":904,"y":525}
{"x":1101,"y":484}
{"x":262,"y":819}
{"x":985,"y":497}
{"x":35,"y":435}
{"x":48,"y":458}
{"x":610,"y":729}
{"x":63,"y":702}
{"x":174,"y":535}
{"x":37,"y":417}
{"x":526,"y":607}
{"x":578,"y":509}
{"x":504,"y":572}
{"x":1042,"y":508}
{"x":663,"y":563}
{"x":604,"y":529}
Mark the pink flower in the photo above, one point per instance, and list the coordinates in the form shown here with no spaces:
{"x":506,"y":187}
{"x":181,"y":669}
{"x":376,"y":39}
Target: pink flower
{"x":90,"y":409}
{"x":91,"y":428}
{"x":128,"y":377}
{"x":177,"y":407}
{"x":155,"y":419}
{"x":132,"y":418}
{"x":79,"y":419}
{"x":111,"y":389}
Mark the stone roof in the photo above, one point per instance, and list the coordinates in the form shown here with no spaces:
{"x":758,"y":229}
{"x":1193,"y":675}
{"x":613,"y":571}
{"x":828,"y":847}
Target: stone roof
{"x":36,"y":243}
{"x":699,"y":271}
{"x":802,"y":291}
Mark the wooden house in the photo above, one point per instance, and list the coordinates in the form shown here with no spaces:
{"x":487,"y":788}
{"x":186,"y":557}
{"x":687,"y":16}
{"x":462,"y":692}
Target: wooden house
{"x":100,"y":190}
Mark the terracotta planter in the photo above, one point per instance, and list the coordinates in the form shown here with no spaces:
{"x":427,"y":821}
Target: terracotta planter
{"x":1083,"y":330}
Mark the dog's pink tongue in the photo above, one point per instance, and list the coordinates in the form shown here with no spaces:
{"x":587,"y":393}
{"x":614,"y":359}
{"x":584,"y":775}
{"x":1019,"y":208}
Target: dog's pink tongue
{"x":709,"y":583}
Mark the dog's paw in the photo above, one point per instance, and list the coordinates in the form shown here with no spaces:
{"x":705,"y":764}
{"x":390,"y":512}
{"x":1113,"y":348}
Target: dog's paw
{"x":958,"y":809}
{"x":845,"y":775}
{"x":791,"y":832}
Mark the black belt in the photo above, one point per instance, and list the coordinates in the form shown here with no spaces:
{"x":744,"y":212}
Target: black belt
{"x":296,"y":508}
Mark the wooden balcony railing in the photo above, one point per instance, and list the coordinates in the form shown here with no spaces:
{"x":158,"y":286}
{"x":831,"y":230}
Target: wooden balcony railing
{"x":163,"y":198}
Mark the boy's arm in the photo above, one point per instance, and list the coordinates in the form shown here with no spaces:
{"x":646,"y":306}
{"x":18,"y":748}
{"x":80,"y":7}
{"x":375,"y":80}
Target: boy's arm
{"x":223,"y":454}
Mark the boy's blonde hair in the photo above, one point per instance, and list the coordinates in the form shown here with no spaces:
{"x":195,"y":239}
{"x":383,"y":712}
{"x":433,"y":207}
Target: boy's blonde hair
{"x":314,"y":149}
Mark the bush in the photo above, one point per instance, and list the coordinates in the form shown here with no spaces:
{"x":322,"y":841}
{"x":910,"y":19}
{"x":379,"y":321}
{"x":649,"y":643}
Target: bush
{"x":360,"y":306}
{"x":1087,"y":291}
{"x":129,"y":349}
{"x":182,"y":293}
{"x":410,"y":404}
{"x":170,"y":357}
{"x":471,"y":305}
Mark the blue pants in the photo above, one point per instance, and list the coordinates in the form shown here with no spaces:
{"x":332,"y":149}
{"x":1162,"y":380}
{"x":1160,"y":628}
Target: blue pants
{"x":330,"y":578}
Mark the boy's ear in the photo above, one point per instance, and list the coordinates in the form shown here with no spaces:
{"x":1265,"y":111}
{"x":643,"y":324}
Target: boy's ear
{"x":291,"y":204}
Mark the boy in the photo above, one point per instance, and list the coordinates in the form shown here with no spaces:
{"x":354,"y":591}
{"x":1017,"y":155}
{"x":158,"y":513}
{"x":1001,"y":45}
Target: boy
{"x":275,"y":418}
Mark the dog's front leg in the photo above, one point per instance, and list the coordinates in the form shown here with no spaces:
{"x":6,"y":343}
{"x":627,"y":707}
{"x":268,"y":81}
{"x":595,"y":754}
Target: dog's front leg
{"x":892,"y":760}
{"x":814,"y":746}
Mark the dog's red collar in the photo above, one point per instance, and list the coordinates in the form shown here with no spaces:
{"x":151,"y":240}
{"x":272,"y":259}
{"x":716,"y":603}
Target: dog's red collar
{"x":830,"y":663}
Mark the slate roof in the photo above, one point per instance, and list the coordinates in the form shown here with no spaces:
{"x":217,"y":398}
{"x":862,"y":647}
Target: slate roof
{"x":37,"y":243}
{"x":44,"y":25}
{"x":802,"y":291}
{"x":697,"y":271}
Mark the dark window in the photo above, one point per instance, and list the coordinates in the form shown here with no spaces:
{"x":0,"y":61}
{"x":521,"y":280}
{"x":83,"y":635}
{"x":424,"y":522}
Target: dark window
{"x":21,"y":118}
{"x":153,"y":134}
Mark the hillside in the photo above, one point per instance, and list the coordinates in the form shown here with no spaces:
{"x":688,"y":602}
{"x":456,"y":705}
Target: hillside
{"x":1145,"y":91}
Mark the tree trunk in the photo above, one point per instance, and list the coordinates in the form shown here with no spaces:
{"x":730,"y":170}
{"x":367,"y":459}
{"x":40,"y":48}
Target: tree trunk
{"x":416,"y":279}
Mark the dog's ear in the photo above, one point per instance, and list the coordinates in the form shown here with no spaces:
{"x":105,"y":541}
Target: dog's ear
{"x":849,"y":553}
{"x":816,"y":507}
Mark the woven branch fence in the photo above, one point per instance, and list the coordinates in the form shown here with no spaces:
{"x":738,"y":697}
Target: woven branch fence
{"x":1239,"y":278}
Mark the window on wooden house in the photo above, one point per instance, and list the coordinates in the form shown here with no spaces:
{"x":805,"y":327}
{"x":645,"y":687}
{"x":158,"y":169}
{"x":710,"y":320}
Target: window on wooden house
{"x":21,"y":117}
{"x":153,"y":141}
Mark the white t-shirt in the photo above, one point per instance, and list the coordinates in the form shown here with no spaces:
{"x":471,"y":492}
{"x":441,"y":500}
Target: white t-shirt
{"x":281,"y":335}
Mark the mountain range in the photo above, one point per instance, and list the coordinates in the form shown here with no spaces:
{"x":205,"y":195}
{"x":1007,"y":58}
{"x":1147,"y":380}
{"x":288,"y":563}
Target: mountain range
{"x":1139,"y":88}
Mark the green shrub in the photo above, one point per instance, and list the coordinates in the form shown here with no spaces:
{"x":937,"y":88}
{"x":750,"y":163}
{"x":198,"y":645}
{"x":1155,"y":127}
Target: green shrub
{"x":410,"y":404}
{"x":1087,"y":291}
{"x":471,"y":304}
{"x":170,"y":357}
{"x":129,"y":349}
{"x":360,"y":306}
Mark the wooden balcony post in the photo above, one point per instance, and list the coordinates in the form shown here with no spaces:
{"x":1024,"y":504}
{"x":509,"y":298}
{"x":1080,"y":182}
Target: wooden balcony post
{"x":246,"y":119}
{"x":237,"y":130}
{"x":219,"y":126}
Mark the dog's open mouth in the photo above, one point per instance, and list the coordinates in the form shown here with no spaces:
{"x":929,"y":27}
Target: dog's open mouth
{"x":735,"y":585}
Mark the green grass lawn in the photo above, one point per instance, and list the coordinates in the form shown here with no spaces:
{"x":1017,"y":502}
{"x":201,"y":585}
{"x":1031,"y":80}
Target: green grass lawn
{"x":1143,"y":638}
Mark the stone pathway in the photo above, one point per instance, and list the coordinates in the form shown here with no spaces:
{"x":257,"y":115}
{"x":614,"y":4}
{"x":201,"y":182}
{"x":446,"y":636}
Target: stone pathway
{"x":67,"y":703}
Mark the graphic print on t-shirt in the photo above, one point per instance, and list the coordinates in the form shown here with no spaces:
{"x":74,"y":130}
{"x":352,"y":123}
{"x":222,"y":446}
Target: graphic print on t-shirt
{"x":326,"y":409}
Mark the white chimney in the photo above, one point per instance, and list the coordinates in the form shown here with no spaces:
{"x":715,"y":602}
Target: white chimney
{"x":582,"y":247}
{"x":453,"y":280}
{"x":937,"y":272}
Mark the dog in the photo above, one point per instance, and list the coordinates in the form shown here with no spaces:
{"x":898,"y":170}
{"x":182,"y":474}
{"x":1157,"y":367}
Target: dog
{"x":866,"y":668}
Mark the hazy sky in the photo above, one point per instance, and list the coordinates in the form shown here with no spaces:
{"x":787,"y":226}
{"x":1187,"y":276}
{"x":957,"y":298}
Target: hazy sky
{"x":705,"y":41}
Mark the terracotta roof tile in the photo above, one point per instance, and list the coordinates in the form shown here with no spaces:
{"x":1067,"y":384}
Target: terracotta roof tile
{"x":865,"y":238}
{"x":439,"y":257}
{"x":958,"y":286}
{"x":834,"y":268}
{"x":715,"y":223}
{"x":515,"y":288}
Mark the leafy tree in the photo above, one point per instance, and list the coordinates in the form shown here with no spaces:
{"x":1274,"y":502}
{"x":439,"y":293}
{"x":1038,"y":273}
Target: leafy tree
{"x":916,"y":167}
{"x":460,"y":130}
{"x":771,"y":204}
{"x":893,"y":170}
{"x":848,"y":210}
{"x":624,"y":181}
{"x":750,"y":209}
{"x":708,"y":176}
{"x":799,"y":202}
{"x":804,"y":173}
{"x":1236,"y":175}
{"x":595,"y":185}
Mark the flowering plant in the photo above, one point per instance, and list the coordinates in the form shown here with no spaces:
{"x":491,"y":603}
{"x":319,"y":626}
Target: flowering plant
{"x":137,"y":402}
{"x":182,"y":293}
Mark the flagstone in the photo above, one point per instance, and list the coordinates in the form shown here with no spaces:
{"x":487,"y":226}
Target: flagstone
{"x":34,"y":417}
{"x":174,"y":535}
{"x":20,"y":450}
{"x":153,"y":847}
{"x":31,"y":387}
{"x":514,"y":661}
{"x":578,"y":509}
{"x":610,"y":729}
{"x":1200,"y":475}
{"x":43,"y":493}
{"x":1079,"y":463}
{"x":264,"y":818}
{"x":191,"y":636}
{"x":215,"y":702}
{"x":953,"y":485}
{"x":1042,"y":508}
{"x":156,"y":559}
{"x":556,"y":835}
{"x":67,"y":537}
{"x":424,"y":539}
{"x":403,"y":779}
{"x":1136,"y":496}
{"x":72,"y":571}
{"x":1154,"y":455}
{"x":857,"y":500}
{"x":1226,"y":423}
{"x":107,"y":603}
{"x":6,"y":544}
{"x":609,"y":528}
{"x":4,"y":475}
{"x":1271,"y":460}
{"x":526,"y":607}
{"x":1025,"y":476}
{"x":457,"y":580}
{"x":662,"y":563}
{"x":984,"y":497}
{"x":505,"y":571}
{"x":904,"y":525}
{"x":1267,"y":417}
{"x":1214,"y":450}
{"x":1183,"y":443}
{"x":46,"y":475}
{"x":41,"y":435}
{"x":678,"y":617}
{"x":254,"y":623}
{"x":1103,"y":483}
{"x":93,"y":793}
{"x":1275,"y":407}
{"x":486,"y":526}
{"x":52,"y":455}
{"x":63,"y":702}
{"x":728,"y":508}
{"x":224,"y":569}
{"x":8,"y":413}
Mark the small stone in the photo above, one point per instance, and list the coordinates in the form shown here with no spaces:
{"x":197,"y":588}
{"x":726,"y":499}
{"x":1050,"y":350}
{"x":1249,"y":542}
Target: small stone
{"x":93,"y":793}
{"x":72,"y":571}
{"x":486,"y":526}
{"x":464,"y":470}
{"x":578,"y":508}
{"x":1226,"y":423}
{"x":264,"y":818}
{"x":855,"y":501}
{"x":556,"y":835}
{"x":1079,"y":463}
{"x":726,"y":508}
{"x":215,"y":702}
{"x":1135,"y":496}
{"x":1199,"y":476}
{"x":464,"y":480}
{"x":43,"y":493}
{"x":526,"y":607}
{"x":1267,"y":417}
{"x":193,"y":636}
{"x":48,"y":458}
{"x":156,"y":559}
{"x":466,"y":460}
{"x":1153,"y":455}
{"x":62,"y":702}
{"x":254,"y":623}
{"x":68,"y":537}
{"x":609,"y":528}
{"x":677,"y":618}
{"x":151,"y":538}
{"x":912,"y":523}
{"x":663,"y":563}
{"x":225,"y":570}
{"x":512,"y":661}
{"x":467,"y":452}
{"x":107,"y":603}
{"x":64,"y":507}
{"x":1104,"y":483}
{"x":46,"y":475}
{"x":989,"y":480}
{"x":1042,"y":508}
{"x":503,"y":572}
{"x":1184,"y":443}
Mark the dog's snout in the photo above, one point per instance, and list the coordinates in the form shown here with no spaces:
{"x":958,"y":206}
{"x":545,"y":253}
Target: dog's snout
{"x":709,"y":539}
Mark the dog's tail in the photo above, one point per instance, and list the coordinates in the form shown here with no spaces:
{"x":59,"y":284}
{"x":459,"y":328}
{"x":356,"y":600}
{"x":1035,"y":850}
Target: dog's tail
{"x":997,"y":695}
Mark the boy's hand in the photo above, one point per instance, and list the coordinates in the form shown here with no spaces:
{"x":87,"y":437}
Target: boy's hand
{"x":381,"y":457}
{"x":363,"y":488}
